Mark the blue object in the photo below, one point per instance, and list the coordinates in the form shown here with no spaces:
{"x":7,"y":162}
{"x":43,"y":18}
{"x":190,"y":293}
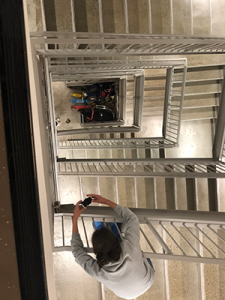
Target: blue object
{"x":79,"y":101}
{"x":150,"y":262}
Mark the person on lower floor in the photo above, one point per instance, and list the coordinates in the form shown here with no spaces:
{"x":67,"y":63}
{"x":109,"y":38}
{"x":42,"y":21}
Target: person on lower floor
{"x":119,"y":264}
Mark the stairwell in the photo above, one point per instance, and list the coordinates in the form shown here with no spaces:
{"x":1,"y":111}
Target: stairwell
{"x":173,"y":280}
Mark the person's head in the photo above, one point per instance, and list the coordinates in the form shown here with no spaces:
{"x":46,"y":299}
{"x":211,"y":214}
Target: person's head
{"x":106,"y":246}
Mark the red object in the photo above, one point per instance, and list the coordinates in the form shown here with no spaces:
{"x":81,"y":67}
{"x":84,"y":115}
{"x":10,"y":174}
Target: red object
{"x":103,"y":94}
{"x":80,"y":107}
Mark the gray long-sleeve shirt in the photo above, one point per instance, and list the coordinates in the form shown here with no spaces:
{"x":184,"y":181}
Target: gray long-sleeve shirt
{"x":129,"y":277}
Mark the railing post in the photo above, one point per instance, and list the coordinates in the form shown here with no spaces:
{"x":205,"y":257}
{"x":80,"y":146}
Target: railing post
{"x":218,"y":143}
{"x":169,"y":73}
{"x":122,"y":98}
{"x":181,"y":103}
{"x":138,"y":100}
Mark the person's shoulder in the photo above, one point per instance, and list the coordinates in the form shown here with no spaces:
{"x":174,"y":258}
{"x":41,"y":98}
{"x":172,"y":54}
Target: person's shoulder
{"x":127,"y":246}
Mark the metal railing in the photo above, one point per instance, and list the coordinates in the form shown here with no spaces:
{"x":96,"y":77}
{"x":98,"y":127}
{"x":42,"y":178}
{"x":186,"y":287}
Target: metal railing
{"x":95,"y":74}
{"x":185,"y":168}
{"x":219,"y":139}
{"x":169,"y":235}
{"x":105,"y":44}
{"x":72,"y":65}
{"x":116,"y":143}
{"x":173,"y":105}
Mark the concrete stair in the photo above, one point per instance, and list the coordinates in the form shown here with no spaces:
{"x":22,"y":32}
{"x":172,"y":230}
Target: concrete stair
{"x":171,"y":277}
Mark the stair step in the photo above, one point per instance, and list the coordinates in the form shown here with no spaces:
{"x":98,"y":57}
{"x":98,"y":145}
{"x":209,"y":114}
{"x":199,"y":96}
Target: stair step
{"x":213,"y":194}
{"x":89,"y":185}
{"x":198,"y":82}
{"x":107,"y":188}
{"x":197,"y":89}
{"x":93,"y":21}
{"x":133,"y":20}
{"x":119,"y":16}
{"x":143,"y":16}
{"x":126,"y":191}
{"x":50,"y":15}
{"x":65,"y":264}
{"x":181,"y":194}
{"x":202,"y":194}
{"x":198,"y":113}
{"x":147,"y":88}
{"x":208,"y":102}
{"x":214,"y":279}
{"x":80,"y":14}
{"x":63,"y":13}
{"x":183,"y":280}
{"x":191,"y":193}
{"x":203,"y":72}
{"x":161,"y":193}
{"x":108,"y":16}
{"x":87,"y":15}
{"x":161,"y":22}
{"x":170,"y":184}
{"x":221,"y":194}
{"x":146,"y":192}
{"x":183,"y":20}
{"x":187,"y":115}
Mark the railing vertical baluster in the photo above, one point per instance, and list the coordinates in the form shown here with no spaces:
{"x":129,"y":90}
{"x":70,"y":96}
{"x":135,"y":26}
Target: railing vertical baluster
{"x":94,"y":223}
{"x":199,"y":240}
{"x":172,"y":238}
{"x":158,"y":237}
{"x":118,"y":229}
{"x":63,"y":236}
{"x":147,"y":240}
{"x":221,"y":250}
{"x":85,"y":232}
{"x":172,"y":223}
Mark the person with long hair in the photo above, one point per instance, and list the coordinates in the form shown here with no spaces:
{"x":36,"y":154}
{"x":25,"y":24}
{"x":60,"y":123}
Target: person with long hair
{"x":119,"y":264}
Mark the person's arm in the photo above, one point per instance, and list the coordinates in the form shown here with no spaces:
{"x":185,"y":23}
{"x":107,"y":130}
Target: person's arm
{"x":101,"y":200}
{"x":132,"y":224}
{"x":76,"y":214}
{"x":81,"y":257}
{"x":130,"y":219}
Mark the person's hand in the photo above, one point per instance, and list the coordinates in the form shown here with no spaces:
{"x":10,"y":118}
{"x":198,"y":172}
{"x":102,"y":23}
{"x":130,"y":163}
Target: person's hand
{"x":98,"y":199}
{"x":78,"y":210}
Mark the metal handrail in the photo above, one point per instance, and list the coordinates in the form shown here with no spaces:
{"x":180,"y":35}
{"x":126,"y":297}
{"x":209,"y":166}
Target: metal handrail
{"x":124,"y":44}
{"x":173,"y":106}
{"x":102,"y":64}
{"x":182,"y":229}
{"x":169,"y":168}
{"x":116,"y":143}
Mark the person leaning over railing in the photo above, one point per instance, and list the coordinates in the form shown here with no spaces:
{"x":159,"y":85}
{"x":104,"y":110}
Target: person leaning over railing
{"x":119,"y":265}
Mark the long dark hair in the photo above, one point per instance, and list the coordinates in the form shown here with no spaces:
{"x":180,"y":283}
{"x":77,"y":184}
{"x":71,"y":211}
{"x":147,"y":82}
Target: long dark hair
{"x":106,"y":246}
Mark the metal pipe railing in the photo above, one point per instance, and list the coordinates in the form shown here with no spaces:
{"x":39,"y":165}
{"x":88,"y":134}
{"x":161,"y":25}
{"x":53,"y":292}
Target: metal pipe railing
{"x":131,"y":143}
{"x":182,"y":232}
{"x":125,"y":44}
{"x":169,"y":168}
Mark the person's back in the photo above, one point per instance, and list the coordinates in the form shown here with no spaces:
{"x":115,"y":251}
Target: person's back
{"x":120,"y":266}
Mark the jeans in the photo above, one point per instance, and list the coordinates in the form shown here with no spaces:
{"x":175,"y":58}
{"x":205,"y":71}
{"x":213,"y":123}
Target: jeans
{"x":149,"y":261}
{"x":99,"y":225}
